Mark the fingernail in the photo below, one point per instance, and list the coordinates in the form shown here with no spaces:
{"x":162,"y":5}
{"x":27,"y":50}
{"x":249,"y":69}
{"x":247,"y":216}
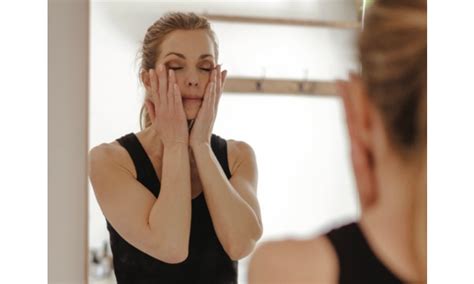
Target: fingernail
{"x":160,"y":67}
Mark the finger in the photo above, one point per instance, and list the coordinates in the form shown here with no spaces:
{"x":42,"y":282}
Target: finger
{"x":162,"y":84}
{"x":218,"y":78}
{"x":171,"y":90}
{"x":212,"y":102}
{"x":223,"y":78}
{"x":154,"y":87}
{"x":208,"y":93}
{"x":177,"y":98}
{"x":212,"y":95}
{"x":217,"y":86}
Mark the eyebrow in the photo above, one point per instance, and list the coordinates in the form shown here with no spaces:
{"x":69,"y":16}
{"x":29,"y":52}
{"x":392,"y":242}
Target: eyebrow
{"x":184,"y":57}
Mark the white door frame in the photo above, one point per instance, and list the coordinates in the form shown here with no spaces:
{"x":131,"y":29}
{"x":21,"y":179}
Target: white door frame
{"x":68,"y":96}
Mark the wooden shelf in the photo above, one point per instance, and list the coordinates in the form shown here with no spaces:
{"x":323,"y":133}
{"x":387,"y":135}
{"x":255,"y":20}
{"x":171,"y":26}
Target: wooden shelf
{"x":279,"y":86}
{"x":282,"y":21}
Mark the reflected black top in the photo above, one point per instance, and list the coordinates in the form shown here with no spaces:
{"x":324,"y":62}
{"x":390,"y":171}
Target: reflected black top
{"x":207,"y":261}
{"x":357,"y":261}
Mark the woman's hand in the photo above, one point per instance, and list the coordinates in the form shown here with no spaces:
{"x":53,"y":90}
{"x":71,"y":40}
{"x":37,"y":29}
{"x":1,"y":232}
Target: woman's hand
{"x":166,"y":108}
{"x":202,"y":127}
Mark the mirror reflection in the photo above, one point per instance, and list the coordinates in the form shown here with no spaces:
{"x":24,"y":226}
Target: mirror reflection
{"x":202,"y":134}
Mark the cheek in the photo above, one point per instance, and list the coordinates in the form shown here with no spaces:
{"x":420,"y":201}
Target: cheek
{"x":203,"y":80}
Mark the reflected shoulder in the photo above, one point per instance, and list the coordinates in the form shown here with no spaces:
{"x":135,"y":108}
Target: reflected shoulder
{"x":294,"y":261}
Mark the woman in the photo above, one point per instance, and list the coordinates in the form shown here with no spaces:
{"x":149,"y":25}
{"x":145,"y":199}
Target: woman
{"x":180,"y":202}
{"x":386,"y":117}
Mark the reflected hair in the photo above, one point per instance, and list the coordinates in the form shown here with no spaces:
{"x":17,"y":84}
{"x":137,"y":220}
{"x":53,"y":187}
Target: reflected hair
{"x":154,"y":37}
{"x":393,"y":51}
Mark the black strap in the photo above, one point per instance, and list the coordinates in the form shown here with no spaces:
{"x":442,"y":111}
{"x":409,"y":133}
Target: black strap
{"x":219,"y":147}
{"x":357,"y":261}
{"x":144,"y":167}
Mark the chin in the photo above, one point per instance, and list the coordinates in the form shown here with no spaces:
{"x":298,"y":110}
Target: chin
{"x":191,"y":112}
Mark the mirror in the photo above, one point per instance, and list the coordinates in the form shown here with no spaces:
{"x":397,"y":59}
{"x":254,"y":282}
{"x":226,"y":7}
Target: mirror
{"x":299,"y":139}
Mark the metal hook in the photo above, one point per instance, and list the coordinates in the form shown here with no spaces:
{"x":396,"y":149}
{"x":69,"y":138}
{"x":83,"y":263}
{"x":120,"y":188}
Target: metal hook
{"x":303,"y":82}
{"x":259,"y":83}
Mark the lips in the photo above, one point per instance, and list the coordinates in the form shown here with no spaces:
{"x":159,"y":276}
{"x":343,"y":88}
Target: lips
{"x":191,"y":98}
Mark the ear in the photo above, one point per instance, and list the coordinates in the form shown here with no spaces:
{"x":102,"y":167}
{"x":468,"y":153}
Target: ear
{"x":150,"y":107}
{"x":145,"y":76}
{"x":362,"y":110}
{"x":358,"y":123}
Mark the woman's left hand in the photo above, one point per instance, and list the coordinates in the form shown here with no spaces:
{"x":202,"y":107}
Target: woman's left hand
{"x":202,"y":128}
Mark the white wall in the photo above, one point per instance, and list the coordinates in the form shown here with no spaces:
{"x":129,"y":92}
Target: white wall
{"x":305,"y":182}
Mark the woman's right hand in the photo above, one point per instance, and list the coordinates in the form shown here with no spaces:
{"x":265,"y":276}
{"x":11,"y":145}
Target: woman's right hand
{"x":165,"y":108}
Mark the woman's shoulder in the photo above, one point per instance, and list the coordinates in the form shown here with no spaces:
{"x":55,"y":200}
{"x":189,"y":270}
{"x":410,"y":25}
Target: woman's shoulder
{"x":107,"y":151}
{"x":111,"y":153}
{"x":311,"y":260}
{"x":238,"y":152}
{"x":237,"y":147}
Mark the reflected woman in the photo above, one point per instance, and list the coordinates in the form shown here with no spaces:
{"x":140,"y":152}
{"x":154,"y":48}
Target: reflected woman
{"x":386,"y":116}
{"x":180,"y":202}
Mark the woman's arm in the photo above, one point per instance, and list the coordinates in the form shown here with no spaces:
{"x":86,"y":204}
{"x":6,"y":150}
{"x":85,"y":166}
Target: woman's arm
{"x":233,"y":203}
{"x":159,"y":227}
{"x":171,"y":212}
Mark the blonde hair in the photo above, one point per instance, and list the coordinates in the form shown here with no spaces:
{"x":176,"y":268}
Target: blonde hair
{"x":393,"y":51}
{"x":155,"y":36}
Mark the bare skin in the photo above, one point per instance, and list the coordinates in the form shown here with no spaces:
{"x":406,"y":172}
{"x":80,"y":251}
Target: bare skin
{"x":185,"y":85}
{"x":388,"y":186}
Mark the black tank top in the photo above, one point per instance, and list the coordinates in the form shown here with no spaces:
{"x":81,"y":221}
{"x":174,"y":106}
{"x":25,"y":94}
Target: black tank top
{"x":207,"y":261}
{"x":357,"y":261}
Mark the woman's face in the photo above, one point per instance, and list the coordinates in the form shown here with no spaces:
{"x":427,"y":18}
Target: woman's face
{"x":191,"y":55}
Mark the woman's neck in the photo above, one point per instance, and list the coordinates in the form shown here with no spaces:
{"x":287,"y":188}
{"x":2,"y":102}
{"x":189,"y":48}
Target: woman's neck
{"x":388,"y":224}
{"x":151,"y":141}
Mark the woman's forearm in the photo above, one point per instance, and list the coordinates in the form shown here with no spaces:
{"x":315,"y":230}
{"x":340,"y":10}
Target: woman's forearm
{"x":170,"y":216}
{"x":234,"y":220}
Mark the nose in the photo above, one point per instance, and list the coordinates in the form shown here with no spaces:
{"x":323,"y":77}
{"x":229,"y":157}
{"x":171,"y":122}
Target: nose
{"x":192,"y":83}
{"x":192,"y":79}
